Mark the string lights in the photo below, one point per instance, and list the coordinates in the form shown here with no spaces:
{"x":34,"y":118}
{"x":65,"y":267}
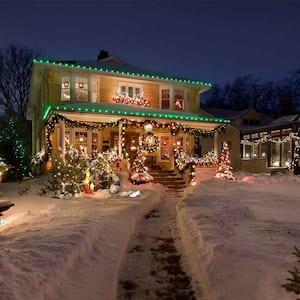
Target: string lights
{"x":173,"y":127}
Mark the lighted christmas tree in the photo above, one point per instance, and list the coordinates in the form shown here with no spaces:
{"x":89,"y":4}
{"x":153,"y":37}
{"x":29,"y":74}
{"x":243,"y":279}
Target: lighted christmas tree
{"x":68,"y":172}
{"x":12,"y":146}
{"x":224,"y":164}
{"x":101,"y":172}
{"x":296,"y":157}
{"x":139,"y":172}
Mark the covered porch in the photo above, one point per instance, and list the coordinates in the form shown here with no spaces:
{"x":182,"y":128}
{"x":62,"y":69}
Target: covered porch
{"x":124,"y":129}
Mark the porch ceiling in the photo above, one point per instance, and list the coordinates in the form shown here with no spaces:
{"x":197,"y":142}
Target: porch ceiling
{"x":110,"y":112}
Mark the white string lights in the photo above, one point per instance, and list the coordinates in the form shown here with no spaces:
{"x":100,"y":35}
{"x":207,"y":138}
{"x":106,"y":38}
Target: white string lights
{"x":268,"y":138}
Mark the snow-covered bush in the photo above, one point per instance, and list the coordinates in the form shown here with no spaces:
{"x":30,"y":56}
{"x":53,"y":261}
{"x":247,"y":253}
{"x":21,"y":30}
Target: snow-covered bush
{"x":37,"y":163}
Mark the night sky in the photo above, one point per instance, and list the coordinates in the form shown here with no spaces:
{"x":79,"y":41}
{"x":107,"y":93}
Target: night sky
{"x":213,"y":41}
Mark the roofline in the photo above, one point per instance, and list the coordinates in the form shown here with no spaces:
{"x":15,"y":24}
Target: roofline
{"x":128,"y":113}
{"x":119,"y":72}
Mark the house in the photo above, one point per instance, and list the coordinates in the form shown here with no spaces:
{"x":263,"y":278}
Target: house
{"x":273,"y":147}
{"x":266,"y":145}
{"x":106,"y":105}
{"x":239,"y":121}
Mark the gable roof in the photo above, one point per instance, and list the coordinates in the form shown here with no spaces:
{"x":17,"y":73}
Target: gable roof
{"x":286,"y":120}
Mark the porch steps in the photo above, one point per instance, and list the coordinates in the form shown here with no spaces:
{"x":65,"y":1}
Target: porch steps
{"x":170,"y":179}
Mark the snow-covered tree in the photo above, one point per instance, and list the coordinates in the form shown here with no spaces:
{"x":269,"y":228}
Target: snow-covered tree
{"x":224,"y":168}
{"x":139,"y":172}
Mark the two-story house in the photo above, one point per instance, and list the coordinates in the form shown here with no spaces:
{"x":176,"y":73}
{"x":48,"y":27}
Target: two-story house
{"x":106,"y":104}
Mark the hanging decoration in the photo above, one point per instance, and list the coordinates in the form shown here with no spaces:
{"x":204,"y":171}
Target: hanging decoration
{"x":138,"y":100}
{"x":173,"y":127}
{"x":268,"y":138}
{"x":149,"y":142}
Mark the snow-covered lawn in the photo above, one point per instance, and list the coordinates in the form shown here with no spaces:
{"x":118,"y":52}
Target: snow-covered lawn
{"x":239,"y":235}
{"x":66,"y":248}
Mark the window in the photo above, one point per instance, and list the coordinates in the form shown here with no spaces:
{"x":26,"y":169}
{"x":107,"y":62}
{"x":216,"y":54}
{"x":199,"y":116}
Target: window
{"x":165,"y":148}
{"x":165,"y":99}
{"x":81,"y":140}
{"x":65,"y":88}
{"x":94,"y":141}
{"x":179,"y":100}
{"x":94,"y":90}
{"x":131,"y":91}
{"x":81,"y":89}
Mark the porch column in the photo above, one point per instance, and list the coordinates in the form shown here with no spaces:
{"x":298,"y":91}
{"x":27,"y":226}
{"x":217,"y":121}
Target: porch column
{"x":120,"y":140}
{"x":62,"y":136}
{"x":216,"y":143}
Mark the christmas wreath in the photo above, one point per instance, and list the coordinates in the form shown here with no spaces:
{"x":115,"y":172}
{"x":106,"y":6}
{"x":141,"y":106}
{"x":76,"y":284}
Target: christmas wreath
{"x":149,"y":142}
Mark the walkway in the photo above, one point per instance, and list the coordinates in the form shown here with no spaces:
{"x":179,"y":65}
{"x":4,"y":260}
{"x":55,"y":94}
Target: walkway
{"x":152,"y":268}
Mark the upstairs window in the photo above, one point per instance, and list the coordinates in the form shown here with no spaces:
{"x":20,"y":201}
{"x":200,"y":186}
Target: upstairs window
{"x":130,"y":91}
{"x":65,"y":88}
{"x":179,"y":100}
{"x":81,"y":89}
{"x":94,"y":90}
{"x":165,"y":99}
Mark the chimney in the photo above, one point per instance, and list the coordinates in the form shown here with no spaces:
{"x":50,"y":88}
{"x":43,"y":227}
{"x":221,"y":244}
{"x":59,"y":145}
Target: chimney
{"x":102,"y":54}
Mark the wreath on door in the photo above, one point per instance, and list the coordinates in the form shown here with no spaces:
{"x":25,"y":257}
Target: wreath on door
{"x":149,"y":142}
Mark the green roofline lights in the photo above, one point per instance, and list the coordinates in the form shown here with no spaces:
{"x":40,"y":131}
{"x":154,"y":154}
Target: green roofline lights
{"x":150,"y":76}
{"x":136,"y":114}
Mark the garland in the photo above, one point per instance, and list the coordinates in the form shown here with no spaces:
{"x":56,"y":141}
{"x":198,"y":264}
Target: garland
{"x":173,"y":127}
{"x":136,"y":100}
{"x":268,"y":138}
{"x":149,"y":142}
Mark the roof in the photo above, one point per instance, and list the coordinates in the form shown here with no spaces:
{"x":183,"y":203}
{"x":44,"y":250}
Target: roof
{"x":226,"y":113}
{"x":124,"y":110}
{"x":286,"y":120}
{"x":114,"y":68}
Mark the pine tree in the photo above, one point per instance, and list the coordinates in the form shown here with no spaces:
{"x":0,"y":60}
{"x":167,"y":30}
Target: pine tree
{"x":293,"y":284}
{"x":224,"y":164}
{"x":139,"y":172}
{"x":101,"y":172}
{"x":68,"y":172}
{"x":12,"y":146}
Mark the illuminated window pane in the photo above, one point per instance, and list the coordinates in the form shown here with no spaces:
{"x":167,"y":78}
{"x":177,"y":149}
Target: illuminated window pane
{"x":65,"y":88}
{"x":179,"y":100}
{"x":81,"y":89}
{"x":165,"y":148}
{"x":165,"y":99}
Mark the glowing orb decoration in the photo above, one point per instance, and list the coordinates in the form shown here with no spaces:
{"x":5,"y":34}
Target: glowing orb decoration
{"x":2,"y":222}
{"x":148,"y":127}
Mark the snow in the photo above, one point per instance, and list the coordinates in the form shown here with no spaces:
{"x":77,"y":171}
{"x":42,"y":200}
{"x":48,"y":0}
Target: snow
{"x":237,"y":237}
{"x":67,"y":248}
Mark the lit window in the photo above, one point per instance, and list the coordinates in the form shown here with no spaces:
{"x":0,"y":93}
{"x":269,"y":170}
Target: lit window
{"x":131,"y":91}
{"x":165,"y":99}
{"x":165,"y":150}
{"x":65,"y":88}
{"x":81,"y":89}
{"x":179,"y":100}
{"x":94,"y":90}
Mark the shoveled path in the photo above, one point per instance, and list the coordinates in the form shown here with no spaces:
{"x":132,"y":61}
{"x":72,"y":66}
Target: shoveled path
{"x":152,"y":268}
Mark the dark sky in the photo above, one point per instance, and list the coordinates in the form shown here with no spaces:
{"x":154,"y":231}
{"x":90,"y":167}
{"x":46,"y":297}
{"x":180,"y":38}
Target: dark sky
{"x":213,"y":41}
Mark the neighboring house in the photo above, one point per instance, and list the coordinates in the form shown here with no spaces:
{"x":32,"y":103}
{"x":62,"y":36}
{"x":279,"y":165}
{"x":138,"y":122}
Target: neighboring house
{"x":265,"y":145}
{"x":106,"y":105}
{"x":272,"y":147}
{"x":240,"y":120}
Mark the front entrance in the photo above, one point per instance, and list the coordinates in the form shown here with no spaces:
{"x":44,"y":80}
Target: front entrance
{"x":131,"y":143}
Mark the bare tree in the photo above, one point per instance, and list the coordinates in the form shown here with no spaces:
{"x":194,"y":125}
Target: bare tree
{"x":15,"y":71}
